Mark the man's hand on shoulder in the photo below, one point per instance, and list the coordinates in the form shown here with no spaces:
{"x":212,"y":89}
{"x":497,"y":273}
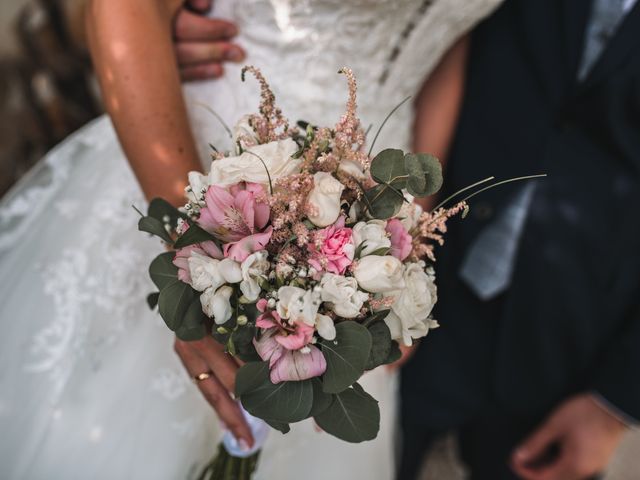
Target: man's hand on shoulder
{"x":575,"y":442}
{"x":203,"y":44}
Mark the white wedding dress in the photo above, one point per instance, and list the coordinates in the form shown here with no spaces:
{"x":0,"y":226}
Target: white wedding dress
{"x":89,"y":384}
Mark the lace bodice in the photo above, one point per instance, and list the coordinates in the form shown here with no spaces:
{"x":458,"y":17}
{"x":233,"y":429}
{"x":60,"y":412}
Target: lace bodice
{"x":300,"y":45}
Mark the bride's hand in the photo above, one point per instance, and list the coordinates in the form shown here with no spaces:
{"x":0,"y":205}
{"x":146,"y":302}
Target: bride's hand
{"x":203,"y":44}
{"x":206,"y":358}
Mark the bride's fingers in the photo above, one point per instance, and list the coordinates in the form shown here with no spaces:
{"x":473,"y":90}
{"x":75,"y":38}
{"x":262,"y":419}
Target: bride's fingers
{"x":194,"y":27}
{"x":202,"y":71}
{"x":214,"y":392}
{"x":220,"y":362}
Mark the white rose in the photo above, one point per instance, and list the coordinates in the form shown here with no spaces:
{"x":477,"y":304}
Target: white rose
{"x":409,"y":213}
{"x":373,"y":234}
{"x":342,"y":295}
{"x":207,"y":272}
{"x":325,"y":327}
{"x":198,"y":184}
{"x":379,"y":274}
{"x":216,"y":304}
{"x":254,"y":268}
{"x":352,"y":169}
{"x":244,"y":134}
{"x":298,"y":304}
{"x":324,"y":199}
{"x":409,"y":316}
{"x":248,"y":167}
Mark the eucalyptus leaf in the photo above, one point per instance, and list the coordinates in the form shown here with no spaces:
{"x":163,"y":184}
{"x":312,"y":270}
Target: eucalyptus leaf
{"x":383,"y":202}
{"x":162,"y":270}
{"x":395,"y":354}
{"x":192,"y":326}
{"x":321,"y":400}
{"x":388,"y":168}
{"x":353,"y":416}
{"x":159,"y":208}
{"x":173,"y":303}
{"x":195,"y":234}
{"x":242,"y":338}
{"x":154,"y":227}
{"x":284,"y":402}
{"x":381,"y":345}
{"x":152,"y":299}
{"x":382,"y":251}
{"x":280,"y":426}
{"x":346,"y":356}
{"x":425,"y":174}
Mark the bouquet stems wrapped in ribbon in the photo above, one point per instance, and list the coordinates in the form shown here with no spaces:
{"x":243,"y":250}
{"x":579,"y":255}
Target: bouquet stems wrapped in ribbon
{"x":306,"y":257}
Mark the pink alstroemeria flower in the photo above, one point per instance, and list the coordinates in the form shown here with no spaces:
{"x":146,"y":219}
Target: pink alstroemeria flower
{"x":234,"y":212}
{"x":237,"y":215}
{"x":288,"y":350}
{"x":181,"y":260}
{"x":332,"y":248}
{"x":400,"y":239}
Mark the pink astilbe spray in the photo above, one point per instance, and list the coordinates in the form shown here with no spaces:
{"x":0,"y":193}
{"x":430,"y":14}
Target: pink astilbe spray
{"x":270,"y":120}
{"x":430,"y":230}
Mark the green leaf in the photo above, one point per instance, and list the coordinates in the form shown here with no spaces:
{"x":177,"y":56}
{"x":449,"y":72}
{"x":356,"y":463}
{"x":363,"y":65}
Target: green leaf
{"x":280,"y":426}
{"x":388,"y":167}
{"x":173,"y":303}
{"x":395,"y":354}
{"x":152,"y":299}
{"x":192,"y":326}
{"x":162,"y":270}
{"x":159,"y":208}
{"x":346,"y":356}
{"x":321,"y":400}
{"x":353,"y":416}
{"x":242,"y":337}
{"x":381,"y":345}
{"x":381,"y":251}
{"x":285,"y":402}
{"x":155,"y":227}
{"x":383,"y":202}
{"x":425,"y":174}
{"x":376,"y":317}
{"x":195,"y":234}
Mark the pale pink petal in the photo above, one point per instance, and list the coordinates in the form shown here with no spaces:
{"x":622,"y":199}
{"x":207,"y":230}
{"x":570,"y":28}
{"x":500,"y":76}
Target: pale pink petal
{"x":297,"y":366}
{"x":265,"y":321}
{"x":240,"y":250}
{"x":401,"y":241}
{"x":295,"y":341}
{"x":268,"y":349}
{"x":212,"y":250}
{"x":261,"y":305}
{"x":244,"y":203}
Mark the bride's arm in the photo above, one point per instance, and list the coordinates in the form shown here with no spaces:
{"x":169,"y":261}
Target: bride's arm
{"x":438,"y":104}
{"x":437,"y":107}
{"x":131,"y":47}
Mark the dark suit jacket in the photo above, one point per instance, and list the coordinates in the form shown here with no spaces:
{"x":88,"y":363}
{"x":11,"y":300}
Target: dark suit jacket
{"x":570,"y":320}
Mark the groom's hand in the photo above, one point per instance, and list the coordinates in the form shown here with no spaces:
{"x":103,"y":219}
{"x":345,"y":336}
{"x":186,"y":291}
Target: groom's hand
{"x":203,"y":44}
{"x":575,"y":442}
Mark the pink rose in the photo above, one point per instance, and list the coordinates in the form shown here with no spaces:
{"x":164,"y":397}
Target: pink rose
{"x":400,"y":239}
{"x":332,"y":248}
{"x":287,"y":348}
{"x":182,"y":257}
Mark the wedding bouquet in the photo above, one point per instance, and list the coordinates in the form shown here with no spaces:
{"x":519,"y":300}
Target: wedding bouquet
{"x":307,"y":258}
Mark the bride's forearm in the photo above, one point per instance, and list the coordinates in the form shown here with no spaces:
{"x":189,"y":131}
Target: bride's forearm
{"x":131,"y":47}
{"x":438,"y":105}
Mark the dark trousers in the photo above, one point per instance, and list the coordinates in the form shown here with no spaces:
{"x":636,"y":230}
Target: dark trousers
{"x":485,"y":444}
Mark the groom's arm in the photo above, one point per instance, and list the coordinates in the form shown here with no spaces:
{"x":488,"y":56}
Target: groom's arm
{"x":203,"y":44}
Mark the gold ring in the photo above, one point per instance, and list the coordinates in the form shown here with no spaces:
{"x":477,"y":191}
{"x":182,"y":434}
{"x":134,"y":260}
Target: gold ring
{"x":202,"y":376}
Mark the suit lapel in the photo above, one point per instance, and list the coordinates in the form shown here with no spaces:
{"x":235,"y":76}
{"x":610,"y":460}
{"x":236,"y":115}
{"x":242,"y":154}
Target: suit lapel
{"x":621,"y":45}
